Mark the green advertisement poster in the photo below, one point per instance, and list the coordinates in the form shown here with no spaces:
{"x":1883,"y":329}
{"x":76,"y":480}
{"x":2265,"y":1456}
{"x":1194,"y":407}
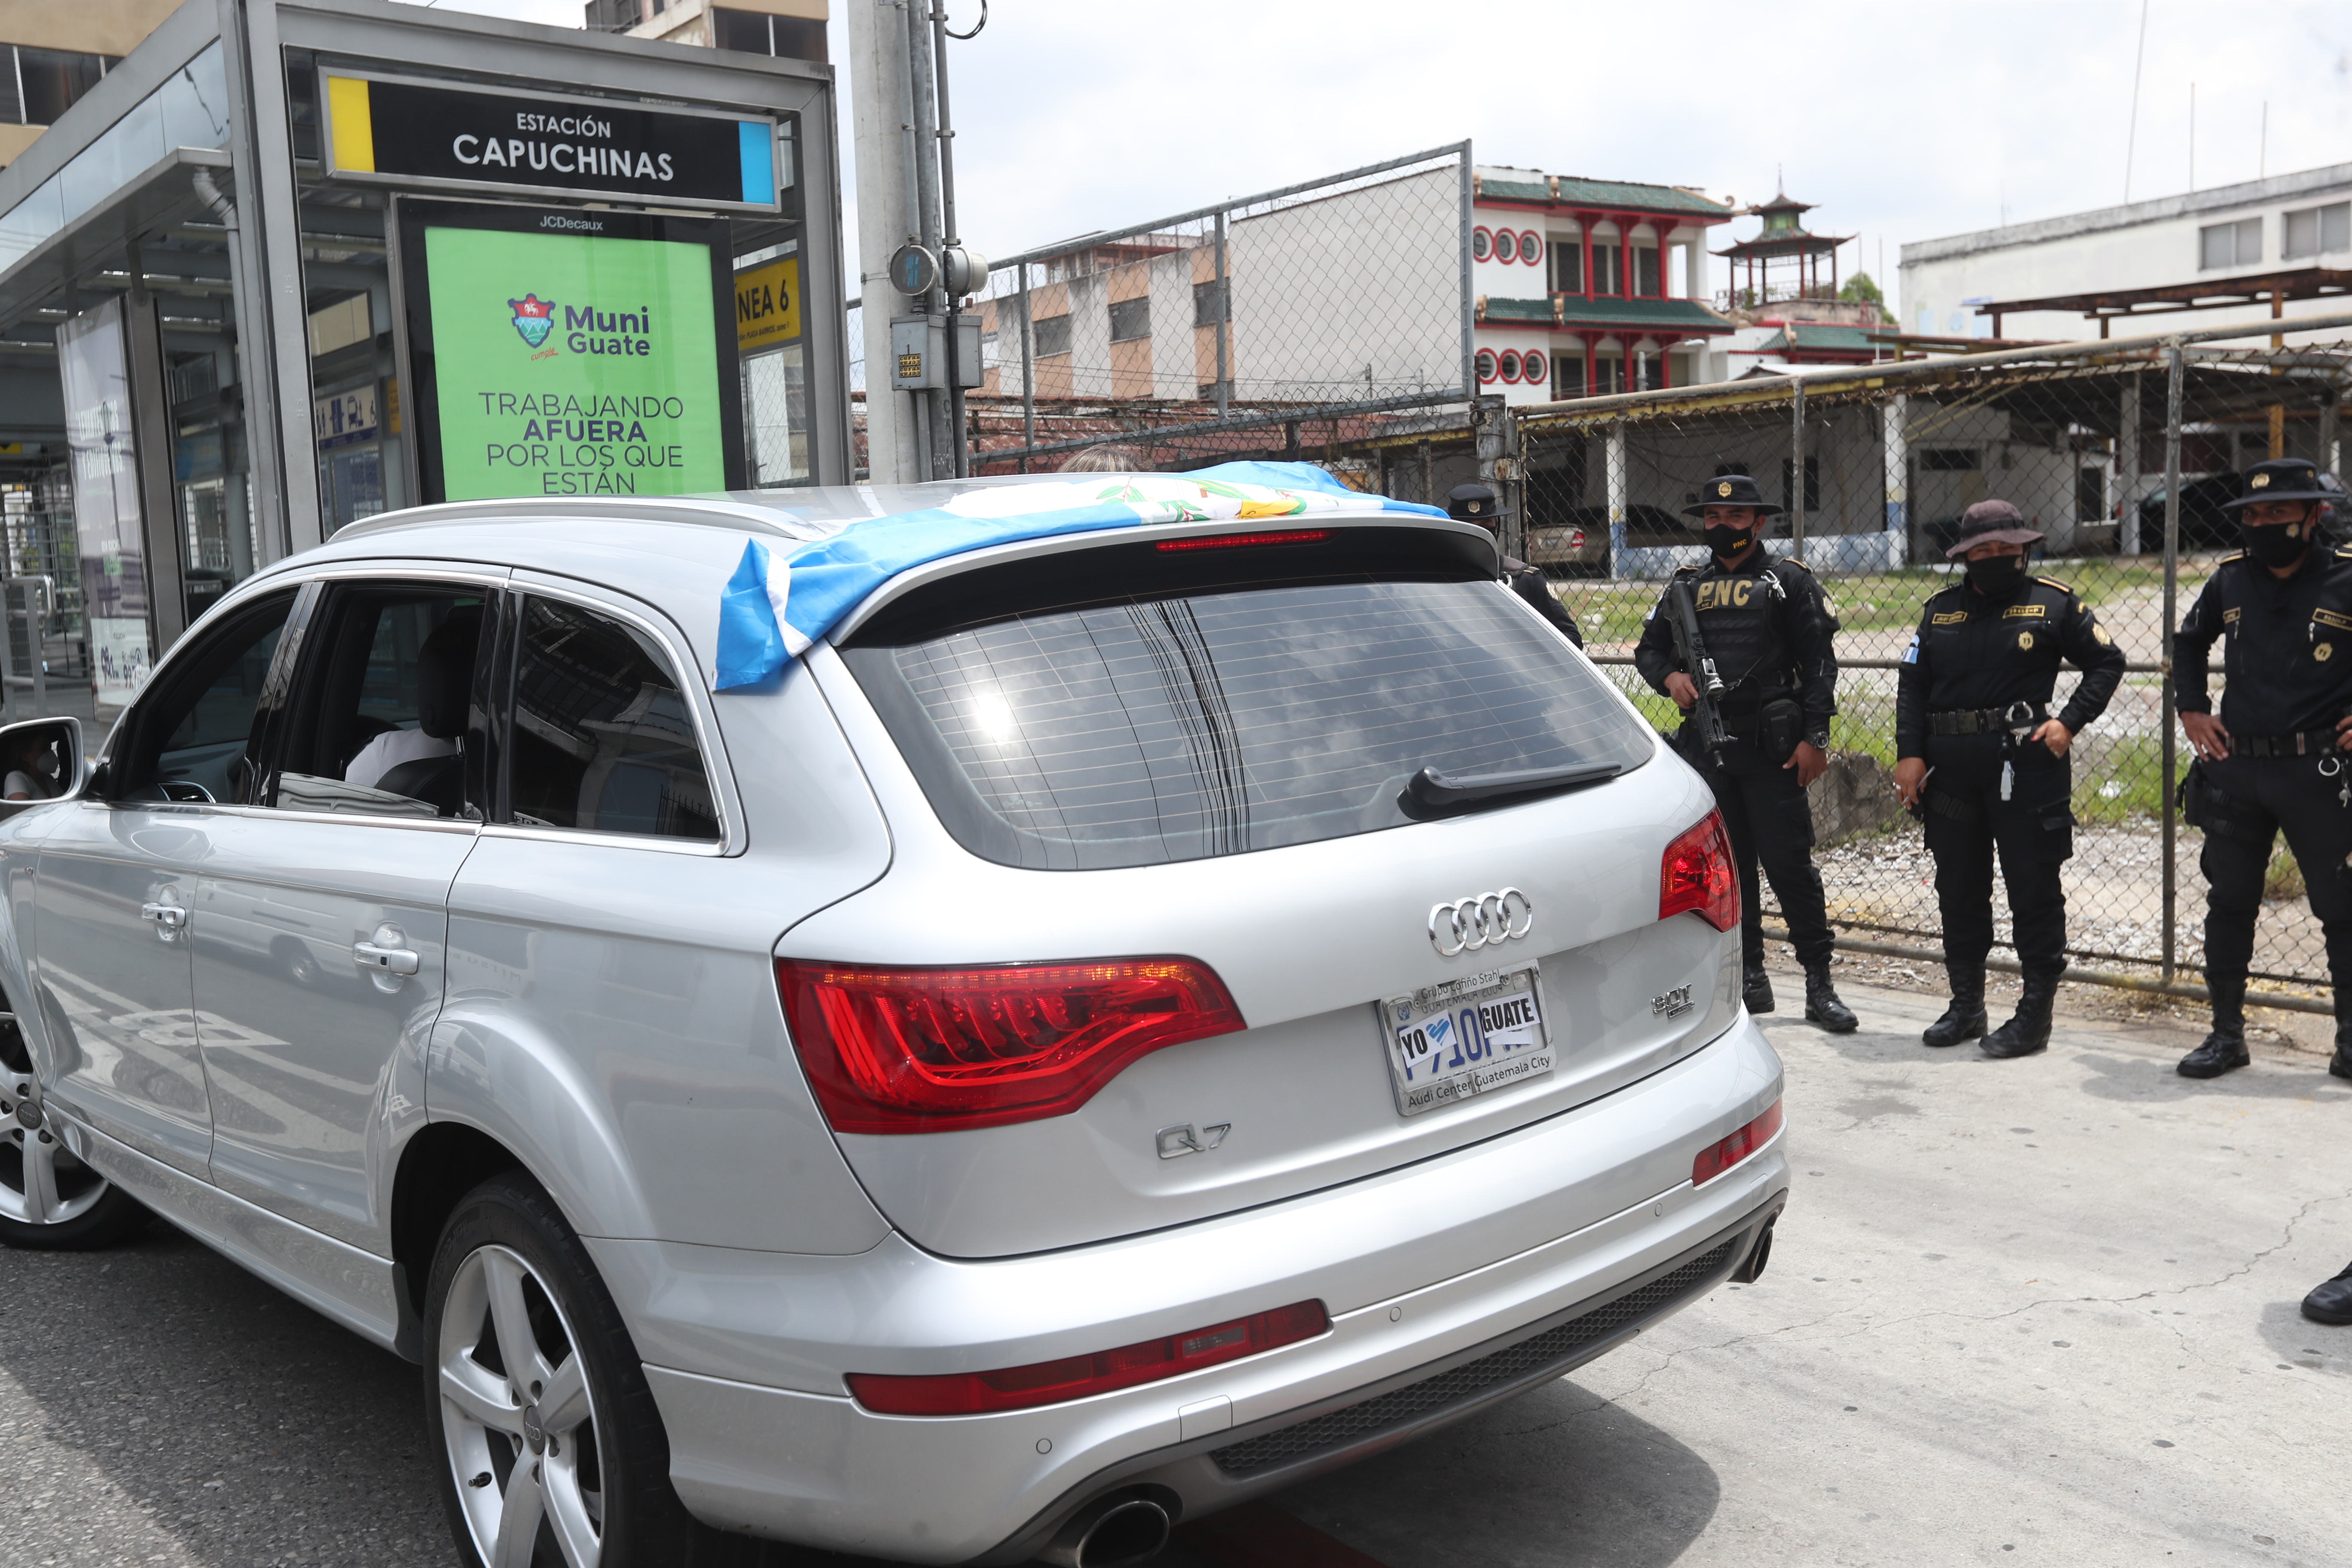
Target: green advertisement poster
{"x":565,"y":363}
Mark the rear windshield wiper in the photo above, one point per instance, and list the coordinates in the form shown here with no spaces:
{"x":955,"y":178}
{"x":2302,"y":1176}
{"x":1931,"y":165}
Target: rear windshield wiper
{"x":1433,"y":790}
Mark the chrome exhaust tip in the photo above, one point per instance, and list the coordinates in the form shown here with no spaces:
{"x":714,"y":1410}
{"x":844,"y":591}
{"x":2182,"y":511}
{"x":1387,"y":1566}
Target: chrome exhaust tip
{"x":1752,"y":1267}
{"x":1110,"y":1532}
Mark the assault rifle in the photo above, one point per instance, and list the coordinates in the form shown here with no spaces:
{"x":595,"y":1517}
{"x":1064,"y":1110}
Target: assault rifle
{"x":1706,"y":713}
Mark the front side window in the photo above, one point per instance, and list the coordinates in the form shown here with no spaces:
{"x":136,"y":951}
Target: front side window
{"x":1175,"y":728}
{"x":381,"y":717}
{"x":192,"y":734}
{"x":602,"y":737}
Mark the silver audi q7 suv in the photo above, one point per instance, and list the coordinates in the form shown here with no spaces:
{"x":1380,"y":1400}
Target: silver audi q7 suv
{"x":1124,"y":1020}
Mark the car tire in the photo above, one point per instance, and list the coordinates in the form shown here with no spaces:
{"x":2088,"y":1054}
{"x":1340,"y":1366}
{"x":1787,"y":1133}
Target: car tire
{"x":563,"y":1462}
{"x":301,"y":967}
{"x":50,"y":1201}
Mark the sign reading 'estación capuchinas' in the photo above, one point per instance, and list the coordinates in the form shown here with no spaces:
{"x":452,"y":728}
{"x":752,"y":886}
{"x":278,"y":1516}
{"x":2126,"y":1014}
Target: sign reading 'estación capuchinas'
{"x":419,"y":133}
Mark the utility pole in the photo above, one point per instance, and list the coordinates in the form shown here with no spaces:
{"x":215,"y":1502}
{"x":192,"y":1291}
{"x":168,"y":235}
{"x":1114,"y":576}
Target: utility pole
{"x":883,"y":134}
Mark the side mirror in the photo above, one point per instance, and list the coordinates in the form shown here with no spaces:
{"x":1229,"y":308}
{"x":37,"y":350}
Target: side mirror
{"x":42,"y":759}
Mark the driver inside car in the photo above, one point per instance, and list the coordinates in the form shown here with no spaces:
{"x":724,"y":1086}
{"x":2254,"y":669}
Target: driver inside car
{"x":445,"y":664}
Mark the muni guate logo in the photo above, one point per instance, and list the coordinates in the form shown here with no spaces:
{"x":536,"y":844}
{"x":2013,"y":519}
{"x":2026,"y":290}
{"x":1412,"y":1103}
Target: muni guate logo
{"x":534,"y":317}
{"x":587,"y":330}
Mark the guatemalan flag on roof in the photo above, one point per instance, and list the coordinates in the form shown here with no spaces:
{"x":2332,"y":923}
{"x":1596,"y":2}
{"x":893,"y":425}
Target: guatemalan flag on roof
{"x":772,"y":609}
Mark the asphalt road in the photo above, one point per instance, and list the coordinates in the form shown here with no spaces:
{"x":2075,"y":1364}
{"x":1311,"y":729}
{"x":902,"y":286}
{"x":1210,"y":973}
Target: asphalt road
{"x":2023,"y":1312}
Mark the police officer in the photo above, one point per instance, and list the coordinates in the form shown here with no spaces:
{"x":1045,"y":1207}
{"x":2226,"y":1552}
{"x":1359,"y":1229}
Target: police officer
{"x":2276,"y":758}
{"x":1767,"y":626}
{"x":1972,"y":707}
{"x":1476,"y":503}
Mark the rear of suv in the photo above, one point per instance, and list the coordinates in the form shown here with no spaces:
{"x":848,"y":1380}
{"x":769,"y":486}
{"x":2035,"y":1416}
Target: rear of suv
{"x":1132,"y":1018}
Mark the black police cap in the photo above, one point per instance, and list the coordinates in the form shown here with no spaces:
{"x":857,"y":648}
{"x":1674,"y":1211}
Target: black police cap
{"x":2283,"y":478}
{"x":1729,"y":489}
{"x":1475,"y":503}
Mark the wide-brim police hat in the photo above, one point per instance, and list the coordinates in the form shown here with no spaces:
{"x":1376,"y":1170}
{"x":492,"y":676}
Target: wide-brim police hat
{"x":1991,"y":522}
{"x":1730,"y":490}
{"x":2283,"y":478}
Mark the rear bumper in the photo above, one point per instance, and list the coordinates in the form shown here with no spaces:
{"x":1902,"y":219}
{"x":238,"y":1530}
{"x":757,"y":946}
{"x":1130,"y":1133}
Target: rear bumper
{"x":807,"y":1463}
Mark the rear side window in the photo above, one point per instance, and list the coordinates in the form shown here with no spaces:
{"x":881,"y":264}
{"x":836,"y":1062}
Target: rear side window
{"x":1172,"y":728}
{"x":602,"y":739}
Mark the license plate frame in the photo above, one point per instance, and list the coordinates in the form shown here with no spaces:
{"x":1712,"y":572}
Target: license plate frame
{"x":1419,"y":1076}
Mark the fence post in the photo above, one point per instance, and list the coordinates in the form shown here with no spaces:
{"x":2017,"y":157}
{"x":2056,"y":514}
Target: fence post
{"x":8,"y":644}
{"x":2327,"y":430}
{"x":1614,"y":477}
{"x":1028,"y":374}
{"x":2172,"y":391}
{"x":1797,"y":470}
{"x":1896,"y":446}
{"x":1225,"y":326}
{"x":2127,"y":466}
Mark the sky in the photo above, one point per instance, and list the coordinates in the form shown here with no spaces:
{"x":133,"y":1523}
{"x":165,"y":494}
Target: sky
{"x":1903,"y":119}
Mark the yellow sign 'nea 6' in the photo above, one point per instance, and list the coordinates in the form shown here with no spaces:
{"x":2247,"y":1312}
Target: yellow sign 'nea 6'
{"x":768,"y":305}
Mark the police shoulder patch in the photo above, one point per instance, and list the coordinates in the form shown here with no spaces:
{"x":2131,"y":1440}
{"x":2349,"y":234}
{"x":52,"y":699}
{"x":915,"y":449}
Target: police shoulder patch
{"x":2053,"y":582}
{"x":1800,"y":565}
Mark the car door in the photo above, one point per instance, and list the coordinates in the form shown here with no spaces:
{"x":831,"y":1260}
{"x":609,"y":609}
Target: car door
{"x":320,"y":918}
{"x":114,"y":885}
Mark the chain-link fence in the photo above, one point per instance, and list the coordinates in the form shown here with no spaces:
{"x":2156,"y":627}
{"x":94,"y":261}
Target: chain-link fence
{"x":2112,"y":450}
{"x":1261,"y":326}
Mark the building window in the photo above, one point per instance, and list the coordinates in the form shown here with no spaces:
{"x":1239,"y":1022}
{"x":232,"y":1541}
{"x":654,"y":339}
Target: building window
{"x":1606,"y":268}
{"x":1052,"y":334}
{"x":756,"y":34}
{"x":1204,"y":304}
{"x":1948,"y":461}
{"x":2236,"y":243}
{"x":38,"y":86}
{"x":1130,"y":319}
{"x":1645,"y":272}
{"x":1567,"y":268}
{"x":2316,"y":229}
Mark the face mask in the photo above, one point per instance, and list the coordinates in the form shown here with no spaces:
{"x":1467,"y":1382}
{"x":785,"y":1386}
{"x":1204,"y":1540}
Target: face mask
{"x":1726,"y":541}
{"x":1997,"y":574}
{"x":2275,"y":544}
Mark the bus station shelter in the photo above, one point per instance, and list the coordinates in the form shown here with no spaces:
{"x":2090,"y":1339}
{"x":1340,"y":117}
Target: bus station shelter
{"x":290,"y":265}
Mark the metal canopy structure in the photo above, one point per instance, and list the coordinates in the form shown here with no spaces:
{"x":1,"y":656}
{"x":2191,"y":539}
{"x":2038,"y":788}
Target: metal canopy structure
{"x":2275,"y":288}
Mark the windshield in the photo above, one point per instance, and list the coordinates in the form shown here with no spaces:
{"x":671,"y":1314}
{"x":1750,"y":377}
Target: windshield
{"x":1166,"y":729}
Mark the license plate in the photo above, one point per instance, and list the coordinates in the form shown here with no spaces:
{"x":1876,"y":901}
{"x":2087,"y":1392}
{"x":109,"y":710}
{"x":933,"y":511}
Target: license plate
{"x":1465,"y":1038}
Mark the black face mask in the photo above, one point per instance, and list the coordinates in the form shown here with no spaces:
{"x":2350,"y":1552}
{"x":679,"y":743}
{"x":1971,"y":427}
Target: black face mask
{"x":2276,"y":543}
{"x":1727,"y":540}
{"x":1997,"y":574}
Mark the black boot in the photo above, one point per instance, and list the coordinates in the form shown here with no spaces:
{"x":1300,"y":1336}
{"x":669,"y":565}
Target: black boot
{"x":2340,"y":1064}
{"x":2028,"y":1029}
{"x":1822,"y":1004}
{"x":2331,"y":1302}
{"x":2224,"y":1050}
{"x":1756,"y":990}
{"x":1964,"y":1019}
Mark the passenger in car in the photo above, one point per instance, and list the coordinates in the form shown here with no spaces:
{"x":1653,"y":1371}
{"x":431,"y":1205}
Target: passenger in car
{"x":444,"y":665}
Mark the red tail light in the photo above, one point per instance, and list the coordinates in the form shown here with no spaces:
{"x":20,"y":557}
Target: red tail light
{"x":1698,"y":875}
{"x":1718,"y":1158}
{"x":1237,"y":541}
{"x":1075,"y":1377}
{"x":928,"y":1050}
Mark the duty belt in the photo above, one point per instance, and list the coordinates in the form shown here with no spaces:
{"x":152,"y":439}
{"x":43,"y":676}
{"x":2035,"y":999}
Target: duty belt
{"x":1986,"y":720}
{"x":2302,"y":743}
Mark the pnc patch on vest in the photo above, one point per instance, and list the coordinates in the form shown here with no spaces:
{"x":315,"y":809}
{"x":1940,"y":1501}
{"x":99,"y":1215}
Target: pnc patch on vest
{"x":2036,"y":611}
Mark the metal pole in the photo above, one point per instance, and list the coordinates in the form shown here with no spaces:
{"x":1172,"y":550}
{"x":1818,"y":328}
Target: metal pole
{"x":1614,"y":479}
{"x":1028,"y":373}
{"x":1225,"y":326}
{"x":8,"y":645}
{"x":1896,"y":467}
{"x":2172,"y":391}
{"x":949,"y":235}
{"x":939,"y":463}
{"x":1797,"y":470}
{"x":1469,"y":285}
{"x":2127,"y":463}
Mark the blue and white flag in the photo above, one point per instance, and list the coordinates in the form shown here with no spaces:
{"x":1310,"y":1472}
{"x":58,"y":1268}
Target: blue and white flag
{"x":771,"y":613}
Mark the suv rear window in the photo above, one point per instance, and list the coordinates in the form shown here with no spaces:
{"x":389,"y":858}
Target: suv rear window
{"x":1173,"y":728}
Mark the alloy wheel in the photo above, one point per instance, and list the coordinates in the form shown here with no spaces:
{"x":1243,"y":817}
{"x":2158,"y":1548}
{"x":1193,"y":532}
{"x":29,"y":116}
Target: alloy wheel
{"x":41,"y":1181}
{"x":518,"y":1417}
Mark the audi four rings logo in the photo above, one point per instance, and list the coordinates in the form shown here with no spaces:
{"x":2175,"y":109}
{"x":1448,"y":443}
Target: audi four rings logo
{"x":1466,"y":925}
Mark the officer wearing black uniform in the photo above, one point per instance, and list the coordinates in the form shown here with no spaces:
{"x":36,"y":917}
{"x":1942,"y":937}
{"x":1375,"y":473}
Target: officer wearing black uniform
{"x":1767,"y":626}
{"x":1973,"y":725}
{"x":1476,"y":503}
{"x":2275,"y":758}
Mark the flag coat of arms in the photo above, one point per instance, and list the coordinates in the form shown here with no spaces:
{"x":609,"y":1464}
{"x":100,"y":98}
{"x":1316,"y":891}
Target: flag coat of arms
{"x":534,"y":317}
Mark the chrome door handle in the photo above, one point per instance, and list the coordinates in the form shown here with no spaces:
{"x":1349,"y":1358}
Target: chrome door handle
{"x":384,"y":960}
{"x":170,"y":917}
